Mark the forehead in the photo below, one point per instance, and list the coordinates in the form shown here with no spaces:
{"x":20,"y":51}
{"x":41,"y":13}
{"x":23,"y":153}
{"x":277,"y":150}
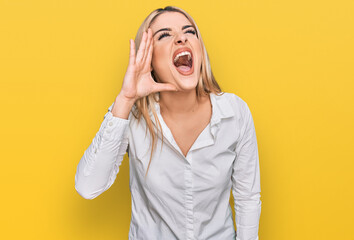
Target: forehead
{"x":170,"y":20}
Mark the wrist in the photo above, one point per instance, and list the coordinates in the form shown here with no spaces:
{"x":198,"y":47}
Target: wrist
{"x":125,"y":100}
{"x":122,"y":106}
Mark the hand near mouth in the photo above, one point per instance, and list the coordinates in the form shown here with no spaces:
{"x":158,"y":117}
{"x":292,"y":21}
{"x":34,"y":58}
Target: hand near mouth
{"x":138,"y":81}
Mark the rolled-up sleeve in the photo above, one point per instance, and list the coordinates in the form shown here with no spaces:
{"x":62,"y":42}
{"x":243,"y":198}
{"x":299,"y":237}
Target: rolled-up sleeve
{"x":246,"y":180}
{"x":99,"y":165}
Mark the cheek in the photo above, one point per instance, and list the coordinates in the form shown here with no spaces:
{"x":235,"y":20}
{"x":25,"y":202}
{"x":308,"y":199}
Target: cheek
{"x":159,"y":54}
{"x":161,"y":65}
{"x":200,"y":58}
{"x":160,"y":57}
{"x":198,"y":51}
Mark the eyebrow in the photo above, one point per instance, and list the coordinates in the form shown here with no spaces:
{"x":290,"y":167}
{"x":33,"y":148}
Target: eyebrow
{"x":169,"y":29}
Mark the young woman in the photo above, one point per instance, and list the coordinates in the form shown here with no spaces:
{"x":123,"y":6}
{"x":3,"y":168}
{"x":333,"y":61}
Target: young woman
{"x":201,"y":141}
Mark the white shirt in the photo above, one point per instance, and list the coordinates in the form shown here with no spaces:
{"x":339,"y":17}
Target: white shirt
{"x":182,"y":197}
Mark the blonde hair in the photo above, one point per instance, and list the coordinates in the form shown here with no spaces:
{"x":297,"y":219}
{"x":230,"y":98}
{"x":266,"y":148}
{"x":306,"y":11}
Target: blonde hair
{"x":206,"y":83}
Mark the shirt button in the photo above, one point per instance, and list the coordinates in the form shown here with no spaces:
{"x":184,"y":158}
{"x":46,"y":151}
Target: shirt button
{"x":110,"y":123}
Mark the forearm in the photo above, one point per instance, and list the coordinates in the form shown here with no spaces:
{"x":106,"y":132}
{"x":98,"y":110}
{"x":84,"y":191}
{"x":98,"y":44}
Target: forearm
{"x":247,"y":215}
{"x":100,"y":163}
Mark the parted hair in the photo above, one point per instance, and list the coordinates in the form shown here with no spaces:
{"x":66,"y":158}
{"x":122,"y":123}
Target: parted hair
{"x":206,"y":83}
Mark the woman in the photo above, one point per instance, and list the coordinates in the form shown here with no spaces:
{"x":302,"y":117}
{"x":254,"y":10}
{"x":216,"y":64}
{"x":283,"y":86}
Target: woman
{"x":202,"y":142}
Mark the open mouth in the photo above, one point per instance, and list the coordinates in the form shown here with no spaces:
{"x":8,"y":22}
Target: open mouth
{"x":184,"y":63}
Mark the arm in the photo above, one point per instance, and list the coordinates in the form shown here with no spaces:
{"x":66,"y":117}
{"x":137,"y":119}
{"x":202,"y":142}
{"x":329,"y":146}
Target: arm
{"x":100,"y":163}
{"x":246,"y":181}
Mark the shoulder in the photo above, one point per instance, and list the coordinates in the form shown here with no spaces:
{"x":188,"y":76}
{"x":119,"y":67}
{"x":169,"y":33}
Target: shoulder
{"x":233,"y":98}
{"x":233,"y":101}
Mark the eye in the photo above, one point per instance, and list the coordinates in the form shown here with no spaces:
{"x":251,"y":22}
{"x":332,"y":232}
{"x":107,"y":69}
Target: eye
{"x":167,"y":34}
{"x":164,"y":35}
{"x":191,"y":31}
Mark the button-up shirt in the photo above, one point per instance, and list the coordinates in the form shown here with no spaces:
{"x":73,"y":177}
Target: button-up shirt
{"x":182,"y":197}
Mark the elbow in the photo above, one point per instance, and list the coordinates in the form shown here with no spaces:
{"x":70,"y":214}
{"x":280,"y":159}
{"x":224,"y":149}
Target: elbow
{"x":254,"y":197}
{"x":84,"y":193}
{"x":82,"y":187}
{"x":248,"y":201}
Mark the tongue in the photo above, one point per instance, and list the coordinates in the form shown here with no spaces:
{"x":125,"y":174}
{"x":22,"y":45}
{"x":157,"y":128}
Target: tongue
{"x":184,"y":68}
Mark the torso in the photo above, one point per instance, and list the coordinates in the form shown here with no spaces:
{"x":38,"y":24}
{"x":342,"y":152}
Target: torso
{"x":186,"y":129}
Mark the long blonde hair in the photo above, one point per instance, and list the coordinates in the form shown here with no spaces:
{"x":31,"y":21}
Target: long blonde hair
{"x":206,"y":83}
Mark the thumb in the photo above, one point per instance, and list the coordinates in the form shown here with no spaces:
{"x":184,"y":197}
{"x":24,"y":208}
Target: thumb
{"x":160,"y":87}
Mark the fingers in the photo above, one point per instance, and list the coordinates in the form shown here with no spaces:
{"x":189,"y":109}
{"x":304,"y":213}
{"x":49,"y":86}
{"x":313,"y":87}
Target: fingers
{"x":142,"y":46}
{"x":149,"y":55}
{"x":148,"y":44}
{"x":132,"y":52}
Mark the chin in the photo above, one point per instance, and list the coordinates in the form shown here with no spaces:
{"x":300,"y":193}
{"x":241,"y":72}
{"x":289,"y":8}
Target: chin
{"x":185,"y":82}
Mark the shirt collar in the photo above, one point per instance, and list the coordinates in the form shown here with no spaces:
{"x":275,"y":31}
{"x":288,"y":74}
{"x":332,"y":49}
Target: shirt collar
{"x":221,"y":108}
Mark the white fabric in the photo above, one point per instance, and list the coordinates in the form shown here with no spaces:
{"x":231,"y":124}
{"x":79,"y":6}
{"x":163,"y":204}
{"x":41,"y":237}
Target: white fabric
{"x":182,"y":197}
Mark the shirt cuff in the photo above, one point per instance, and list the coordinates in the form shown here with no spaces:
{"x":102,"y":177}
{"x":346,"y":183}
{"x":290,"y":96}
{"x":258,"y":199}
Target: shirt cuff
{"x":114,"y":128}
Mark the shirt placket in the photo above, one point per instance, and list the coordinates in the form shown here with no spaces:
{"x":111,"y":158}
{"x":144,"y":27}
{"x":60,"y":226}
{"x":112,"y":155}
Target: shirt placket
{"x":189,"y":198}
{"x":188,"y":174}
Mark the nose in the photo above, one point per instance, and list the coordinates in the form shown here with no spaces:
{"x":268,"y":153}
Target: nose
{"x":180,"y":38}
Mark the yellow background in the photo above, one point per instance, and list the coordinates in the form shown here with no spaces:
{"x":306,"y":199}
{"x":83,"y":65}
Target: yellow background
{"x":62,"y":64}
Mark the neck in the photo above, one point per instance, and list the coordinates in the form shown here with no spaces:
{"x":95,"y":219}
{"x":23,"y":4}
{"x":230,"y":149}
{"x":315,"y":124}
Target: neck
{"x":178,"y":102}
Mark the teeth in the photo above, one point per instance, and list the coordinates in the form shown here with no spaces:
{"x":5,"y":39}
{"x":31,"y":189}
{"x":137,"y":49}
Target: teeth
{"x":182,"y":54}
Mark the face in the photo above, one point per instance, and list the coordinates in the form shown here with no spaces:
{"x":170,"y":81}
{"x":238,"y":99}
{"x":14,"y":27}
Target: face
{"x":166,"y":42}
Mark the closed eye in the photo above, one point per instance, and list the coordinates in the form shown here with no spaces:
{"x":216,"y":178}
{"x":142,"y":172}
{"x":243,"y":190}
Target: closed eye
{"x":165,"y":34}
{"x":191,"y":31}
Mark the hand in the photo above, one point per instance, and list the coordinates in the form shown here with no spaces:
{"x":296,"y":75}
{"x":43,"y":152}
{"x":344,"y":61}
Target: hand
{"x":138,"y":81}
